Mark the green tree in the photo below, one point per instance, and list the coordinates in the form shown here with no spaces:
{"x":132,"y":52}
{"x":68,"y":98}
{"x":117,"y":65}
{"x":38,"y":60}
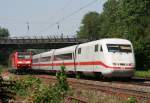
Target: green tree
{"x":4,"y":32}
{"x":110,"y":18}
{"x":128,"y":19}
{"x":3,"y":52}
{"x":135,"y":16}
{"x":90,"y":26}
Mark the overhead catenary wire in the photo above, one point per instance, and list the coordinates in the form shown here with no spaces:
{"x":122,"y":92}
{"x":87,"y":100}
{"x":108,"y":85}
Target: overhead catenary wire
{"x":6,"y":20}
{"x":56,"y":23}
{"x":23,"y":22}
{"x":60,"y":10}
{"x":66,"y":17}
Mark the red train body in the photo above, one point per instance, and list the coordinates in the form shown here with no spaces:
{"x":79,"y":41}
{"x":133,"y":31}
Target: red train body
{"x":21,"y":60}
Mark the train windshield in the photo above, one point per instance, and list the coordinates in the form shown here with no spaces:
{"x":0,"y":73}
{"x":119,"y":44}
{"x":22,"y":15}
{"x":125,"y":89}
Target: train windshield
{"x":119,"y":48}
{"x":24,"y":56}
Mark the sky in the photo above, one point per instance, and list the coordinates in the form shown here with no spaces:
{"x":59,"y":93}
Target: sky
{"x":29,"y":18}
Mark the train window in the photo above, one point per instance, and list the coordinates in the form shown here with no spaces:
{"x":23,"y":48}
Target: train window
{"x":119,"y":48}
{"x":96,"y":48}
{"x":125,"y":48}
{"x":79,"y":51}
{"x":45,"y":59}
{"x":35,"y":60}
{"x":113,"y":47}
{"x":23,"y":55}
{"x":67,"y":56}
{"x":101,"y":49}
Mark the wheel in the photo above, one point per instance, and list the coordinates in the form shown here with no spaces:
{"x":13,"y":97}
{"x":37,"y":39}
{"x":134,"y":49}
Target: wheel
{"x":98,"y":75}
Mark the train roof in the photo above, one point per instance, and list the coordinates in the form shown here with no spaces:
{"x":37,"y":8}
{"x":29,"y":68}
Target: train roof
{"x":72,"y":48}
{"x":106,"y":41}
{"x":115,"y":41}
{"x":36,"y":56}
{"x":66,"y":49}
{"x":44,"y":54}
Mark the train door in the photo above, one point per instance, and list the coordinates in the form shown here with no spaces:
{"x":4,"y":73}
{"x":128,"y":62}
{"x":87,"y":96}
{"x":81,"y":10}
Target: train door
{"x":52,"y":59}
{"x":98,"y":57}
{"x":58,"y":61}
{"x":78,"y":59}
{"x":51,"y":62}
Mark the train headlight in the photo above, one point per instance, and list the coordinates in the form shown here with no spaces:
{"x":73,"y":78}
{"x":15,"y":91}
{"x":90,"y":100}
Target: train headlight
{"x":28,"y":62}
{"x":20,"y":62}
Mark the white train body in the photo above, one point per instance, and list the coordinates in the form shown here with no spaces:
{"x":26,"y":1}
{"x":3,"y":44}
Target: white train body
{"x":109,"y":57}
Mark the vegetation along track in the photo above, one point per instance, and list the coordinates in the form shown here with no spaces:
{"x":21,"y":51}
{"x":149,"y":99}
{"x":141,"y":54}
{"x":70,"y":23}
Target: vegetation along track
{"x":110,"y":89}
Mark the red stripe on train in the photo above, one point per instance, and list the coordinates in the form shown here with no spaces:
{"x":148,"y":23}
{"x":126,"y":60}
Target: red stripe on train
{"x":82,"y":63}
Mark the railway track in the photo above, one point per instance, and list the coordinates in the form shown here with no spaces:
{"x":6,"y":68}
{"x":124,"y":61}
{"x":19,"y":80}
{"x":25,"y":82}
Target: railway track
{"x":133,"y":81}
{"x":146,"y":84}
{"x":114,"y":90}
{"x":110,"y":89}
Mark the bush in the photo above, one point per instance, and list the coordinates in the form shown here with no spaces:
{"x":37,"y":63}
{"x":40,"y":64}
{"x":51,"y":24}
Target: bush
{"x":142,"y":73}
{"x":24,"y":86}
{"x":40,"y":93}
{"x":62,"y":83}
{"x":55,"y":93}
{"x":132,"y":100}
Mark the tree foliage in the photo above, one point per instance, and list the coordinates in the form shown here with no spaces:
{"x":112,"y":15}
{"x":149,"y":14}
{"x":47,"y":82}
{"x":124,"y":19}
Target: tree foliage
{"x":55,"y":93}
{"x":90,"y":26}
{"x":4,"y":32}
{"x":129,"y":19}
{"x":3,"y":52}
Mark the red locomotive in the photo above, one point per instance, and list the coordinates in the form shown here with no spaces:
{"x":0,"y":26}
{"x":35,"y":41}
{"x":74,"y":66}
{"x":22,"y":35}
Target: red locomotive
{"x":21,"y":60}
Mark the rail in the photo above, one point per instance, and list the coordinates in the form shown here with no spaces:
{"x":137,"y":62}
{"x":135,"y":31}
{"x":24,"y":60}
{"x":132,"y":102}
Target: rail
{"x":119,"y":91}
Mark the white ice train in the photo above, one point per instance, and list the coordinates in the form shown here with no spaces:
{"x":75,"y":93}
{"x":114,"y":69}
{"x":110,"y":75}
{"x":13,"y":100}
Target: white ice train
{"x":112,"y":57}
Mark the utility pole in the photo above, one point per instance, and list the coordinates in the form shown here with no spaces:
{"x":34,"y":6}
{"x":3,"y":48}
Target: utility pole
{"x":28,"y":27}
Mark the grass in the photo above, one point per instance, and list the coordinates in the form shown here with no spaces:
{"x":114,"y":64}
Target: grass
{"x":143,"y":73}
